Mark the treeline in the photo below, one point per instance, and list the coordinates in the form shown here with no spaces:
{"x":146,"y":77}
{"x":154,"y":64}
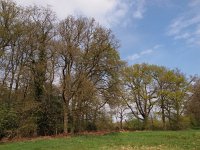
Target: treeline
{"x":157,"y":97}
{"x":61,"y":76}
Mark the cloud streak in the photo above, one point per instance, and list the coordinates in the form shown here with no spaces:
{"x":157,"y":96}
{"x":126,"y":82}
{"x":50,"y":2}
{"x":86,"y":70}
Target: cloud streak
{"x":139,"y":55}
{"x":187,"y":26}
{"x":143,"y":53}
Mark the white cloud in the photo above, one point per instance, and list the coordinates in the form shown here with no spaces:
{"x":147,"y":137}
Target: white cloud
{"x":139,"y":8}
{"x":157,"y":46}
{"x":182,"y":36}
{"x":133,"y":57}
{"x":141,"y":54}
{"x":187,"y":26}
{"x":148,"y":51}
{"x":107,"y":12}
{"x":194,"y":3}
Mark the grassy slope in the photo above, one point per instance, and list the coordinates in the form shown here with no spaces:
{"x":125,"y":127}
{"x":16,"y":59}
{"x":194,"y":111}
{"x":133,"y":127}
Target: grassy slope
{"x":173,"y":140}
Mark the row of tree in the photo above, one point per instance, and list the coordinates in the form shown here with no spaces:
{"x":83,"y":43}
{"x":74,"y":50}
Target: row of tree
{"x":54,"y":72}
{"x":152,"y":92}
{"x":67,"y":76}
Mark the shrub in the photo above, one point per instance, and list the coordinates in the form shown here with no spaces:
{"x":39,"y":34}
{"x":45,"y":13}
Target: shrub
{"x":91,"y":127}
{"x":28,"y":128}
{"x":134,"y":124}
{"x":8,"y":123}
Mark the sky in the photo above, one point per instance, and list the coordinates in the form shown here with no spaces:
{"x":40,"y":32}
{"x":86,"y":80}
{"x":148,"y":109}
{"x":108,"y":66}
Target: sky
{"x":162,"y":32}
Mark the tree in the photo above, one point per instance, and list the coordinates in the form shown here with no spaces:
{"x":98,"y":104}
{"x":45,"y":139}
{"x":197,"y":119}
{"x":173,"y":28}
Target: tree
{"x":141,"y":89}
{"x":151,"y":86}
{"x":193,"y":106}
{"x":177,"y":97}
{"x":88,"y":58}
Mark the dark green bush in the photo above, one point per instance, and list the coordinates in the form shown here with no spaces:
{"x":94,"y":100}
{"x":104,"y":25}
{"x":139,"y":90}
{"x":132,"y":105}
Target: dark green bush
{"x":134,"y":124}
{"x":8,"y":123}
{"x":91,"y":127}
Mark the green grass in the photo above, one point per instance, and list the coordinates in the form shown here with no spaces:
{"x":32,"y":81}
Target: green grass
{"x":151,"y":140}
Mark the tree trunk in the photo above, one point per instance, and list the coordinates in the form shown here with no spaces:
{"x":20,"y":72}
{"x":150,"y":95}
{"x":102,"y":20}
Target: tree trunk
{"x":65,"y":117}
{"x":163,"y":114}
{"x":145,"y":123}
{"x":73,"y":115}
{"x":121,"y":119}
{"x":121,"y":124}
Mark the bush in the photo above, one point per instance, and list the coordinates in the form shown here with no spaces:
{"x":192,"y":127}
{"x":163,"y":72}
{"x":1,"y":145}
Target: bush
{"x":105,"y":124}
{"x":183,"y":123}
{"x":91,"y":127}
{"x":194,"y":122}
{"x":134,"y":124}
{"x":157,"y":125}
{"x":8,"y":123}
{"x":28,"y":128}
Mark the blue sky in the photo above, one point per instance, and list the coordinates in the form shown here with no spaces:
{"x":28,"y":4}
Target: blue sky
{"x":162,"y":32}
{"x":160,"y":36}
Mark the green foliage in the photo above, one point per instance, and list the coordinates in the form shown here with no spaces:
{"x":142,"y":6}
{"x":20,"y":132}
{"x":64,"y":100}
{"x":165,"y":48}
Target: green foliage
{"x":149,"y":86}
{"x":104,"y":122}
{"x":193,"y":106}
{"x":194,"y":122}
{"x":156,"y":125}
{"x":91,"y":126}
{"x":8,"y":122}
{"x":141,"y":89}
{"x":183,"y":123}
{"x":49,"y":117}
{"x":134,"y":124}
{"x":28,"y":128}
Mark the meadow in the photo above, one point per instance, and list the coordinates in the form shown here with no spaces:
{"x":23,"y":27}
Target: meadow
{"x":138,"y":140}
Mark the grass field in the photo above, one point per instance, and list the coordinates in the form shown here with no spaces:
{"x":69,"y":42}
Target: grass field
{"x":148,"y":140}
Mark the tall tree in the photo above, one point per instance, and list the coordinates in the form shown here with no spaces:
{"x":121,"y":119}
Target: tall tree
{"x":193,"y":106}
{"x":88,"y":59}
{"x":141,"y":89}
